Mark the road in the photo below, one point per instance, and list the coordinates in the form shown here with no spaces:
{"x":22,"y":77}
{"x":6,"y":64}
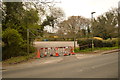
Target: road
{"x":74,"y":66}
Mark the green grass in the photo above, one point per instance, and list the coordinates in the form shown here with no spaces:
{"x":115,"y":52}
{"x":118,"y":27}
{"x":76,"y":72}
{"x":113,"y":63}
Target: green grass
{"x":18,"y":59}
{"x":90,"y":50}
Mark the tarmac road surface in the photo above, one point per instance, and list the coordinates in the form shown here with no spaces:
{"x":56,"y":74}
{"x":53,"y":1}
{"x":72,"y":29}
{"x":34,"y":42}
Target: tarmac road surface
{"x":74,"y":66}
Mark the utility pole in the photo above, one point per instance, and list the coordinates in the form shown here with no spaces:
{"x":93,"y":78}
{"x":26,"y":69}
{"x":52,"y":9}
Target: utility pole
{"x":28,"y":37}
{"x":28,"y":41}
{"x":92,"y":29}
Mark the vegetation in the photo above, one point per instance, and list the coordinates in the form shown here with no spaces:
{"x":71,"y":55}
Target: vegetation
{"x":88,"y":50}
{"x":15,"y":24}
{"x":106,"y":25}
{"x":87,"y":43}
{"x":74,"y":27}
{"x":15,"y":60}
{"x":20,"y":16}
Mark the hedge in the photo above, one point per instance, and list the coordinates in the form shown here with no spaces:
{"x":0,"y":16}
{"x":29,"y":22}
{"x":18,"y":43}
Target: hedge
{"x":87,"y":43}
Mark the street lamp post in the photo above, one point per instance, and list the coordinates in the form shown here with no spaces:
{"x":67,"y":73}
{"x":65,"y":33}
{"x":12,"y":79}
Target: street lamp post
{"x":119,"y":23}
{"x":92,"y":29}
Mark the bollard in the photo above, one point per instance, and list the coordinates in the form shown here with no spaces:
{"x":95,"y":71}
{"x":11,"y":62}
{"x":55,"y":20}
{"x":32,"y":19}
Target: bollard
{"x":56,"y":52}
{"x":48,"y":52}
{"x":66,"y":53}
{"x":60,"y":50}
{"x":42,"y":52}
{"x":51,"y":51}
{"x":45,"y":54}
{"x":72,"y":51}
{"x":38,"y":54}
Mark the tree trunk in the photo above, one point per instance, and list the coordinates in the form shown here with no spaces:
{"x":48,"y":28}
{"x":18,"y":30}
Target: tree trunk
{"x":74,"y":42}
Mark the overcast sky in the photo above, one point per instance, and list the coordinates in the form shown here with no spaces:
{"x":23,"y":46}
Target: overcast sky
{"x":85,"y":7}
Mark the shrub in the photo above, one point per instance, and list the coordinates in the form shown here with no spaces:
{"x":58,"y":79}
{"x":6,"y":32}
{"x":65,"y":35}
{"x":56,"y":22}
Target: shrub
{"x":86,"y":43}
{"x":116,"y":41}
{"x":109,"y":43}
{"x":97,"y":43}
{"x":32,"y":49}
{"x":14,"y":45}
{"x":12,"y":37}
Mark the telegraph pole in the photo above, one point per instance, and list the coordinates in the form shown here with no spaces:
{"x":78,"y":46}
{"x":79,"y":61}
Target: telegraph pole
{"x":28,"y":41}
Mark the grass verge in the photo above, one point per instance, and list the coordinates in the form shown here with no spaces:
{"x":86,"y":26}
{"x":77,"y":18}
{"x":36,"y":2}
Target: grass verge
{"x":15,"y":60}
{"x":77,"y":50}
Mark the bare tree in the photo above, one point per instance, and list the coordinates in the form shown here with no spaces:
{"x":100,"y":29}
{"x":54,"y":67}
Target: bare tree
{"x":57,"y":13}
{"x":73,"y":26}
